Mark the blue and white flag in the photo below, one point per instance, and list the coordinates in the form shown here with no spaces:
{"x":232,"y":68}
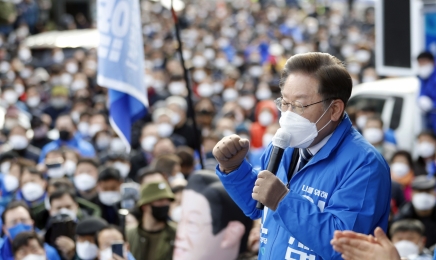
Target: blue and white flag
{"x":121,"y":63}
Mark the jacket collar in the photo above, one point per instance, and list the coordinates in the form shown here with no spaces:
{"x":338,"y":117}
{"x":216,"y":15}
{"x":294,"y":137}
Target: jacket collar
{"x":337,"y":137}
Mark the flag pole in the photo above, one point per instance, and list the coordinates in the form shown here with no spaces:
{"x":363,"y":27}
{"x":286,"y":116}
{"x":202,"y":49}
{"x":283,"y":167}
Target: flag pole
{"x":191,"y":110}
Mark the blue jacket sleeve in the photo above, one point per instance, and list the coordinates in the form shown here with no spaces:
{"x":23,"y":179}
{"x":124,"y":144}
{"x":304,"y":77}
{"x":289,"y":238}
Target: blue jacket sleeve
{"x":51,"y":253}
{"x":351,"y":207}
{"x":239,"y":184}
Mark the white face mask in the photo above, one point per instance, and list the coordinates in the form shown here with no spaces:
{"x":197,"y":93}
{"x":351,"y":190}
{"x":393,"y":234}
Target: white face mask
{"x":109,"y":198}
{"x":176,"y":214}
{"x":57,"y":172}
{"x":86,"y":250}
{"x":103,"y":142}
{"x":425,"y":71}
{"x":165,"y":130}
{"x":373,"y":135}
{"x":205,"y":90}
{"x":426,"y":149}
{"x":175,"y":119}
{"x":407,"y":248}
{"x":11,"y":182}
{"x":117,"y":145}
{"x":400,"y":169}
{"x":33,"y":101}
{"x":83,"y":128}
{"x":123,"y":168}
{"x":11,"y":97}
{"x":4,"y":167}
{"x":263,"y":93}
{"x":148,"y":143}
{"x":72,"y":67}
{"x":93,"y":129}
{"x":47,"y":205}
{"x":176,"y":88}
{"x":68,"y":212}
{"x":423,"y":201}
{"x":18,"y":142}
{"x":70,"y":167}
{"x":265,"y":118}
{"x":266,"y":139}
{"x":199,"y":75}
{"x":105,"y":254}
{"x":303,"y":131}
{"x":230,"y":94}
{"x":34,"y":257}
{"x":84,"y":182}
{"x":246,"y":102}
{"x":32,"y":191}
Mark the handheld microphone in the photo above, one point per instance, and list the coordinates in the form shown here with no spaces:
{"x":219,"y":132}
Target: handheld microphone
{"x":280,"y":141}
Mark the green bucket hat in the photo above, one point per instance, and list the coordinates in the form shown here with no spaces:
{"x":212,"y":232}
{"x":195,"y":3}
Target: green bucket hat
{"x":155,"y":191}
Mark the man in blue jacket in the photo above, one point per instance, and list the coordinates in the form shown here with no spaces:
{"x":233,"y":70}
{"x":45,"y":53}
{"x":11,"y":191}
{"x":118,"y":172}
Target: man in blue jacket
{"x":16,"y":219}
{"x":337,"y":181}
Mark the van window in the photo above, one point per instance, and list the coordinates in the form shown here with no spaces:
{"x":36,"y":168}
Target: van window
{"x":361,"y":101}
{"x":396,"y":113}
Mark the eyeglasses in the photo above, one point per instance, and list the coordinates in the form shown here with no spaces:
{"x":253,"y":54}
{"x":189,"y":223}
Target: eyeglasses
{"x":295,"y":106}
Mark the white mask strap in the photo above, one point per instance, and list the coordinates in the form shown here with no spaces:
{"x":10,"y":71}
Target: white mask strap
{"x":324,"y":113}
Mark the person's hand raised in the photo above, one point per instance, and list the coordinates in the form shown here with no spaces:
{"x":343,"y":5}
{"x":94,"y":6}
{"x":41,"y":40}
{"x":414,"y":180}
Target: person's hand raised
{"x":230,"y":152}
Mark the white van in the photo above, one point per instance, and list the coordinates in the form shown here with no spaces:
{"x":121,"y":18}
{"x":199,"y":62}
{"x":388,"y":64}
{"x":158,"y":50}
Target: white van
{"x":395,"y":100}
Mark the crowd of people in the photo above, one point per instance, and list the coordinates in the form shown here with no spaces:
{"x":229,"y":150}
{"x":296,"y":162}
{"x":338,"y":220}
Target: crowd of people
{"x":65,"y":174}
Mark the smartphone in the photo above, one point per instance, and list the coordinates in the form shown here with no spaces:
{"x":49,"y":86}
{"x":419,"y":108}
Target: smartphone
{"x":129,"y":195}
{"x":117,"y":249}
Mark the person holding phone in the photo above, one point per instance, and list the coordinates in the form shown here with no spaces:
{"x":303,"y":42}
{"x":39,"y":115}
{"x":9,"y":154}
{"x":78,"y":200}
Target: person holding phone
{"x":112,"y":244}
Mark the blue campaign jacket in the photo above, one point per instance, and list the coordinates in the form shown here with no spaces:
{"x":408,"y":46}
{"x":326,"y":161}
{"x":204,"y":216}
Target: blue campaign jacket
{"x":345,"y":186}
{"x":6,"y":250}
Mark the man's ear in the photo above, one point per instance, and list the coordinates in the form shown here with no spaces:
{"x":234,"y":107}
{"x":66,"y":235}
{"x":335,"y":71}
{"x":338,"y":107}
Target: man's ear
{"x":233,"y":234}
{"x":338,"y":108}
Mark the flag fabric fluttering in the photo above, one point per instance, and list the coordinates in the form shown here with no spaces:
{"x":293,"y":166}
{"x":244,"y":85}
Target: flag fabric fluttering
{"x":121,"y":63}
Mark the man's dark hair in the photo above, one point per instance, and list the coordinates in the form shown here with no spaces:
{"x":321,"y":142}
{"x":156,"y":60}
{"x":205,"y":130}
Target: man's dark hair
{"x":223,"y":208}
{"x":427,"y":133}
{"x":62,"y":192}
{"x":405,"y":154}
{"x":109,"y":173}
{"x":166,"y":163}
{"x":426,"y":55}
{"x":10,"y":155}
{"x":61,"y":183}
{"x":66,"y":115}
{"x":376,"y":118}
{"x":13,"y":205}
{"x":186,"y":155}
{"x":91,"y":161}
{"x":34,"y":171}
{"x":334,"y":80}
{"x":23,"y":239}
{"x":146,"y":171}
{"x":109,"y":227}
{"x":405,"y":225}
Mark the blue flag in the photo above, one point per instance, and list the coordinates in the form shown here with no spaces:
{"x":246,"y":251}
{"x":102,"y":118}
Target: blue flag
{"x":121,"y":63}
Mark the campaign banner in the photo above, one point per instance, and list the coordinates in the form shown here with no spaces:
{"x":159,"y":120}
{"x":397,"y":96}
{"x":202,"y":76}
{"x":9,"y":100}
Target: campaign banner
{"x":121,"y":63}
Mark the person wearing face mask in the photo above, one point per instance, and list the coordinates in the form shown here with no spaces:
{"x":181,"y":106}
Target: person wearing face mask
{"x":63,"y":202}
{"x":119,"y":161}
{"x":40,"y":130}
{"x":59,"y":103}
{"x":16,"y":218}
{"x":32,"y":189}
{"x":323,"y":146}
{"x":402,"y":172}
{"x":28,"y":246}
{"x":163,"y":117}
{"x":10,"y":98}
{"x":113,"y":235}
{"x":86,"y":244}
{"x":408,"y":238}
{"x":427,"y":93}
{"x":426,"y":148}
{"x":19,"y":143}
{"x":68,"y":138}
{"x":85,"y":179}
{"x":10,"y":182}
{"x":182,"y":127}
{"x":422,"y":207}
{"x":140,"y":159}
{"x":255,"y":155}
{"x":109,"y":195}
{"x":266,"y":114}
{"x":169,"y":165}
{"x":373,"y":133}
{"x":154,"y":236}
{"x":33,"y":101}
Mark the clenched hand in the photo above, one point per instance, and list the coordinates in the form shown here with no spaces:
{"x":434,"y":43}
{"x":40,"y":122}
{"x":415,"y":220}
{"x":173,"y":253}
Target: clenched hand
{"x":269,"y":190}
{"x":230,"y":152}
